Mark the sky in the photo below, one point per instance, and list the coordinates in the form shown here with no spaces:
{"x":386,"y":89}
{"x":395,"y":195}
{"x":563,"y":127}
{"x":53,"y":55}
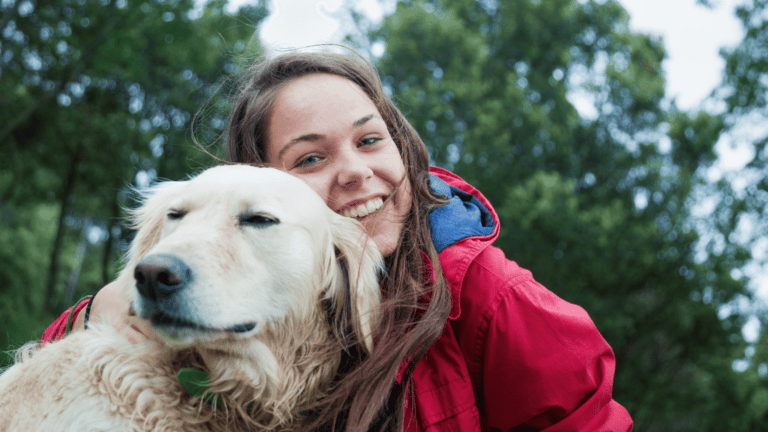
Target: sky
{"x":298,"y":23}
{"x":692,"y":35}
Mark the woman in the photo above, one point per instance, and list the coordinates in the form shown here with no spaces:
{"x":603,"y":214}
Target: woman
{"x":469,"y":341}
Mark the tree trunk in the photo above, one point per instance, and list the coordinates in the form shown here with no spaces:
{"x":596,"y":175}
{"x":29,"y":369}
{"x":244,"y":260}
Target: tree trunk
{"x":9,"y":193}
{"x":74,"y":275}
{"x":51,"y":300}
{"x":115,"y":214}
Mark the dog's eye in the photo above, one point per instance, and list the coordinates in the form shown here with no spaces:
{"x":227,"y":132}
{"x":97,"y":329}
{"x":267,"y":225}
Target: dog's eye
{"x":257,"y":220}
{"x":176,"y":214}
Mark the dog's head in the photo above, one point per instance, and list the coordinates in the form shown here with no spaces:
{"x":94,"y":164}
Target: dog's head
{"x":246,"y":264}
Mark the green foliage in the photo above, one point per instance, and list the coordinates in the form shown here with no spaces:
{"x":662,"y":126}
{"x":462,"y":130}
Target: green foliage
{"x":593,"y":204}
{"x":744,"y":195}
{"x":99,"y":96}
{"x":30,"y":233}
{"x":745,"y":87}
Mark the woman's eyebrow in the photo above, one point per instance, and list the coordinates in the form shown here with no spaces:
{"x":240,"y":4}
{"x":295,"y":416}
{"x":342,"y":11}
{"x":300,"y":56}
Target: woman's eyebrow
{"x":317,"y":137}
{"x":307,"y":137}
{"x":363,"y":120}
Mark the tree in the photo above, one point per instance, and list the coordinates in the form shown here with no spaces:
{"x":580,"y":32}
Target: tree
{"x":99,"y":95}
{"x":595,"y":204}
{"x":744,"y":90}
{"x":741,"y":201}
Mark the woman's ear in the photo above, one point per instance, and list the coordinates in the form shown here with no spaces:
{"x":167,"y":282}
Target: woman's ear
{"x":354,"y":289}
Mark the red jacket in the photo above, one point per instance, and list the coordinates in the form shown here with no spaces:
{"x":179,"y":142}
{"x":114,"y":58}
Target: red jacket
{"x":515,"y":356}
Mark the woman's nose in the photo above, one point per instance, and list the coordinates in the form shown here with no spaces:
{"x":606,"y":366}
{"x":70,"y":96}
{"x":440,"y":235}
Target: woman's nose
{"x":353,"y":169}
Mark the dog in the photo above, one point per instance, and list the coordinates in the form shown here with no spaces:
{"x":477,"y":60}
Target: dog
{"x":247,"y":276}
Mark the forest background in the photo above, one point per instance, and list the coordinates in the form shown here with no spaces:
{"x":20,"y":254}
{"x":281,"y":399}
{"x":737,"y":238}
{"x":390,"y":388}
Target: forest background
{"x":617,"y":212}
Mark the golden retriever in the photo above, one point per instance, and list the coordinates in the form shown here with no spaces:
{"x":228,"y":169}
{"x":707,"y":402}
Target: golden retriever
{"x":244,"y":273}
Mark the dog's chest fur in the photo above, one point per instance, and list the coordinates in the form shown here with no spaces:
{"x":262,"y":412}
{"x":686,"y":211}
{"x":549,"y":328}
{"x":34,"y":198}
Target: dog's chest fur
{"x":129,"y":388}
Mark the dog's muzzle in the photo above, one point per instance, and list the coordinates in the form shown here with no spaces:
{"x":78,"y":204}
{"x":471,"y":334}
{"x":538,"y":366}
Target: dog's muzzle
{"x":158,"y":278}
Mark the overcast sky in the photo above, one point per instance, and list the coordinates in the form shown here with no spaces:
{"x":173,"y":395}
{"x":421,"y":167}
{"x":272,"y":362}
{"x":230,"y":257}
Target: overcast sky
{"x":692,"y":34}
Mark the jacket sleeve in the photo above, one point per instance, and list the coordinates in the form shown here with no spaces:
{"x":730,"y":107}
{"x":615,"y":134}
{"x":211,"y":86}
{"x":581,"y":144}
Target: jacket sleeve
{"x":541,"y":363}
{"x":57,"y":330}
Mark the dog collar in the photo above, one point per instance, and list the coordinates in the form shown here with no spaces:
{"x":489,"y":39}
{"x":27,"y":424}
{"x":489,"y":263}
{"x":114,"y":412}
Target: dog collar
{"x":197,"y":382}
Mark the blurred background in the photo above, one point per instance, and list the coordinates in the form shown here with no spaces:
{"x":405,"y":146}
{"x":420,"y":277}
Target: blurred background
{"x":621,"y":190}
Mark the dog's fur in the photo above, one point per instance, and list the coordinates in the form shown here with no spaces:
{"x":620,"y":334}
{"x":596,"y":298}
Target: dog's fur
{"x":276,"y":285}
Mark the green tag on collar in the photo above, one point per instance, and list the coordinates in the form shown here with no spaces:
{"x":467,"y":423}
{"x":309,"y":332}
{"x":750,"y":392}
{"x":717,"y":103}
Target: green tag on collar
{"x":197,"y":382}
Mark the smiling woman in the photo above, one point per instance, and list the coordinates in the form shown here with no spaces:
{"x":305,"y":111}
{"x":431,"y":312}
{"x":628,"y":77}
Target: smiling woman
{"x":325,"y":119}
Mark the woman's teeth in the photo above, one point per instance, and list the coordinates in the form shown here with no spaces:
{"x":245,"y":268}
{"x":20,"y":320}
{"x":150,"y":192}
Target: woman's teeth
{"x":364,"y":209}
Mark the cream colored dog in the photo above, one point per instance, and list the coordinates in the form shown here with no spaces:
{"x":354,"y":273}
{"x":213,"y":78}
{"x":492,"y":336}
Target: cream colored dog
{"x":245,"y":273}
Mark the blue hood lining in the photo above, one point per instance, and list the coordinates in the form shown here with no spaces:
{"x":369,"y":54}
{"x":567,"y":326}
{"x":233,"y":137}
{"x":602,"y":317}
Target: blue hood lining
{"x":464,"y":216}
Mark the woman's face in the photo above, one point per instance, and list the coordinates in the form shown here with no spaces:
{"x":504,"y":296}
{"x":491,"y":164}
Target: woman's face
{"x":326,"y":131}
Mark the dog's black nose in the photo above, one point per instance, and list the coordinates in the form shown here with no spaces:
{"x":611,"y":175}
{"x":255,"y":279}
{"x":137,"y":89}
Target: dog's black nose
{"x":161,"y":275}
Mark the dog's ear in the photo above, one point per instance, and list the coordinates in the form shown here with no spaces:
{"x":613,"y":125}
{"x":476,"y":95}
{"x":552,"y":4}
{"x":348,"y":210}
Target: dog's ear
{"x":148,"y":218}
{"x":354,"y":292}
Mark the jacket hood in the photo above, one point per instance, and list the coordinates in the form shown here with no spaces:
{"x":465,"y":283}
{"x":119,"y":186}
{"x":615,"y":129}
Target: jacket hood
{"x":464,"y":216}
{"x":461,"y":229}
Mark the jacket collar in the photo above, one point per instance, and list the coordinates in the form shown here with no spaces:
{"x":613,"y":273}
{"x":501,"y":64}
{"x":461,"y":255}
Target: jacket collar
{"x":462,"y":217}
{"x":460,"y":230}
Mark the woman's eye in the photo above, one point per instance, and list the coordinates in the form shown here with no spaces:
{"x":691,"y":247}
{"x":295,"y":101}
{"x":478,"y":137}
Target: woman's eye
{"x":369,"y":140}
{"x":307,"y":161}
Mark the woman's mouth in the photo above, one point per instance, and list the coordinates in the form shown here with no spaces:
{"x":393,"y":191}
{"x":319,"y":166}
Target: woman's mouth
{"x":364,"y":209}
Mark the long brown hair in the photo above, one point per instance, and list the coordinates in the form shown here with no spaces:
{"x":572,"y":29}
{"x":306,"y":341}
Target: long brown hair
{"x":415,"y":310}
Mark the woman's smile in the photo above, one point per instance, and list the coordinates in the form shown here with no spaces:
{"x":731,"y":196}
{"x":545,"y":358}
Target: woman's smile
{"x":361,"y":208}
